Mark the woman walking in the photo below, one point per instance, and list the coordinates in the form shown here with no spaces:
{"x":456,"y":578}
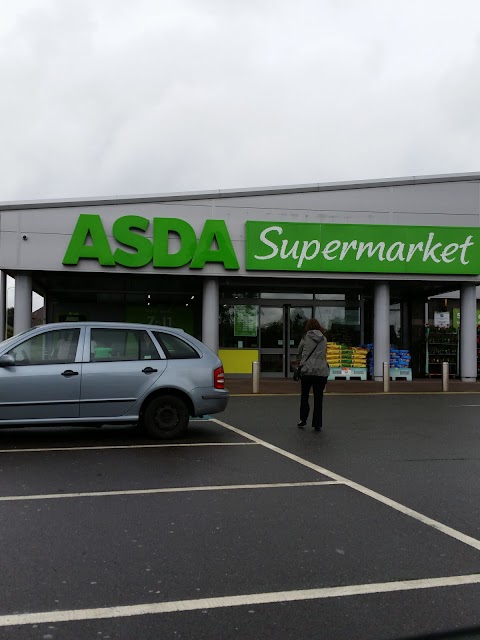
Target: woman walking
{"x":314,"y":372}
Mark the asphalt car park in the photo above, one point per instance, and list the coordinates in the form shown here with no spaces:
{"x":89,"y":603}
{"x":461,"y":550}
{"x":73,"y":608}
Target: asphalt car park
{"x":248,"y":527}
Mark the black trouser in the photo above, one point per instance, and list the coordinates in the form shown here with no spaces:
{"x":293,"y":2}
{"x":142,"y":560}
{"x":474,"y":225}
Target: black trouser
{"x":318,"y":384}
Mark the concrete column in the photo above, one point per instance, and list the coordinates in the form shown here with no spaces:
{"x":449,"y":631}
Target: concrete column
{"x":210,"y":309}
{"x":468,"y":332}
{"x":381,"y":328}
{"x":3,"y":305}
{"x":23,"y":303}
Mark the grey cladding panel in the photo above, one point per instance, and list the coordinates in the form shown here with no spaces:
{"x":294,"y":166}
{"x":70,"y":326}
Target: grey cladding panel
{"x":63,"y":220}
{"x":438,"y":219}
{"x":90,"y":266}
{"x":9,"y":221}
{"x":8,"y":248}
{"x":374,"y":199}
{"x":446,"y":197}
{"x":236,"y":218}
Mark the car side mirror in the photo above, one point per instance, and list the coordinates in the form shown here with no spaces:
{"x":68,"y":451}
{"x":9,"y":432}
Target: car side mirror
{"x":7,"y":361}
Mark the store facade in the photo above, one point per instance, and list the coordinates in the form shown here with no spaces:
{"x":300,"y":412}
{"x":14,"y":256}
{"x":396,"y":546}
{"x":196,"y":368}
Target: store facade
{"x":243,"y":270}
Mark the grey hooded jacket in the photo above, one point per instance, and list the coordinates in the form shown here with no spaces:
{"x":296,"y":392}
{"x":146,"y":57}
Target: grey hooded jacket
{"x":314,"y":341}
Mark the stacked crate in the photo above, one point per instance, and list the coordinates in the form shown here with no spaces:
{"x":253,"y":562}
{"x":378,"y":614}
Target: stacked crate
{"x":360,"y":355}
{"x":346,"y":362}
{"x":399,"y":363}
{"x":334,"y":354}
{"x":370,"y":350}
{"x":399,"y":358}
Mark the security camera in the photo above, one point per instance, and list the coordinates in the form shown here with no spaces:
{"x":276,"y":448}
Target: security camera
{"x":25,"y":237}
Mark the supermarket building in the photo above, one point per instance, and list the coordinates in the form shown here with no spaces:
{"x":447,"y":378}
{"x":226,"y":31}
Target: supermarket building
{"x":244,"y":269}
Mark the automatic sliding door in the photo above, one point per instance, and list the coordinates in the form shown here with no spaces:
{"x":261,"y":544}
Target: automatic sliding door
{"x":272,"y":340}
{"x":281,"y":329}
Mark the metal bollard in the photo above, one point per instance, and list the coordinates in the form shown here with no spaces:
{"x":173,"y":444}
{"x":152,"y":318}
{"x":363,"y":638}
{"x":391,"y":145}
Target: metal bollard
{"x":256,"y":376}
{"x":445,"y":376}
{"x":386,"y":376}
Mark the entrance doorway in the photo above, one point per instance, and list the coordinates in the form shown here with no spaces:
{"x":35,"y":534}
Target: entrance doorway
{"x":281,"y":329}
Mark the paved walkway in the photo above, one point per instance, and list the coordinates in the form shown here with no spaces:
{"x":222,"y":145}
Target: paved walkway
{"x":282,"y":386}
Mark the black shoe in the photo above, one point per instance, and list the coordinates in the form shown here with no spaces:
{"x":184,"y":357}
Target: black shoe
{"x":317,"y":428}
{"x":301,"y":424}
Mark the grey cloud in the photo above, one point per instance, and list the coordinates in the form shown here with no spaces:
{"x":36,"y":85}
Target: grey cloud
{"x":118,"y":97}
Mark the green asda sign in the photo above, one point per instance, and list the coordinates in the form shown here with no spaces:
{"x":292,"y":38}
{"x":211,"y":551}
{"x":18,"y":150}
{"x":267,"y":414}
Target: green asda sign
{"x":305,"y":246}
{"x":90,"y":242}
{"x":278,"y":246}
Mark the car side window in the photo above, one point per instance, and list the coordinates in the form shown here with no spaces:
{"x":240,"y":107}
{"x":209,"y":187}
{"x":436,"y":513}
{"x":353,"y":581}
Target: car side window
{"x":174,"y":347}
{"x":107,"y":345}
{"x":50,"y":347}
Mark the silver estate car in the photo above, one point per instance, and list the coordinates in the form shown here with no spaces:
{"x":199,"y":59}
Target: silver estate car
{"x":94,"y":373}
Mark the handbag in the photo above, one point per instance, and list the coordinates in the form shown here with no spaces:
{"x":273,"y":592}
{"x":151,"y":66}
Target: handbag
{"x":297,"y":372}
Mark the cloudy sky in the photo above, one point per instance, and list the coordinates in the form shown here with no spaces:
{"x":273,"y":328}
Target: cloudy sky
{"x":104,"y":97}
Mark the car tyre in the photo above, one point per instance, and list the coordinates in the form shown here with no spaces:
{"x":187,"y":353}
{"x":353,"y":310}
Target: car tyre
{"x":166,"y":417}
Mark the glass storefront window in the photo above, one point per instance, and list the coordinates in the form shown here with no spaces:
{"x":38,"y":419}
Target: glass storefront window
{"x":395,"y":324}
{"x":329,"y":296}
{"x":180,"y":310}
{"x":181,"y":316}
{"x":271,"y":322}
{"x":237,"y":292}
{"x":341,"y":324}
{"x":271,"y":363}
{"x":286,"y":296}
{"x":238,"y":326}
{"x":298,"y":318}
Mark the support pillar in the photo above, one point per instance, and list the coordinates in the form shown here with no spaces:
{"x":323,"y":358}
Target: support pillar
{"x":210,"y":309}
{"x":381,"y":328}
{"x":468,"y":332}
{"x":3,"y":305}
{"x":23,"y":303}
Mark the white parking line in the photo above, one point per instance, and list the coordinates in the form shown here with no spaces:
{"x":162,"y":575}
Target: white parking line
{"x":141,"y":492}
{"x":133,"y":446}
{"x":435,"y":524}
{"x":252,"y":599}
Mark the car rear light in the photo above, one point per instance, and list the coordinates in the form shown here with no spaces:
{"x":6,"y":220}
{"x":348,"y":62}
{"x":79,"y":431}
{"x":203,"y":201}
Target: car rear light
{"x":219,"y":378}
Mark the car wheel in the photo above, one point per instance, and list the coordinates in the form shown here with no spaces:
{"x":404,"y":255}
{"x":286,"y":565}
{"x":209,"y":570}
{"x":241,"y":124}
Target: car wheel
{"x":166,"y":417}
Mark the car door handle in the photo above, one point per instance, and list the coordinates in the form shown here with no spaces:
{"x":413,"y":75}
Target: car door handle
{"x":149,"y":370}
{"x":69,"y":373}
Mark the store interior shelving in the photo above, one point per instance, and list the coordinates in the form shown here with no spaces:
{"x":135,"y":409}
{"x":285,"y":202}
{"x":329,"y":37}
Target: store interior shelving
{"x":441,"y":346}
